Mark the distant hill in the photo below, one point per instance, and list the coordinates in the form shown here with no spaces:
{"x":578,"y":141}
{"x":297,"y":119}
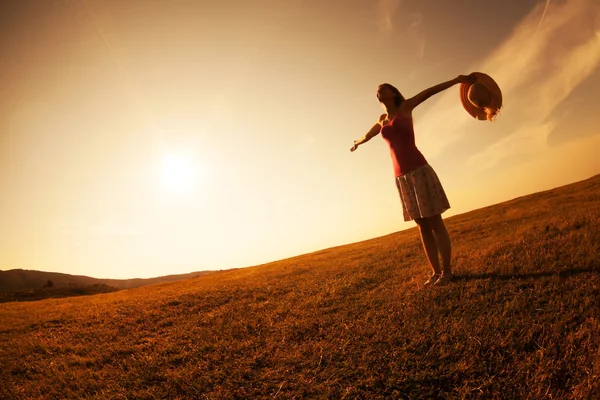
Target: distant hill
{"x":54,"y":292}
{"x":21,"y":279}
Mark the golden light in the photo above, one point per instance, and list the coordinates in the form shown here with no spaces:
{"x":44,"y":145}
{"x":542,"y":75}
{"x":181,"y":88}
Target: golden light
{"x":178,"y":172}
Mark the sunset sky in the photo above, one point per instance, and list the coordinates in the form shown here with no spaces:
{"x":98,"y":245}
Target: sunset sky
{"x":142,"y":138}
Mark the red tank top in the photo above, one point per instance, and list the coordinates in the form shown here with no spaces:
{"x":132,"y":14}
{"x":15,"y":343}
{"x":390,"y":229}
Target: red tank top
{"x":400,"y":136}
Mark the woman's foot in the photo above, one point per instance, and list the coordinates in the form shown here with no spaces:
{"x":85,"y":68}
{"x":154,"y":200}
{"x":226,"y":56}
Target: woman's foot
{"x":432,"y":279}
{"x":444,"y":278}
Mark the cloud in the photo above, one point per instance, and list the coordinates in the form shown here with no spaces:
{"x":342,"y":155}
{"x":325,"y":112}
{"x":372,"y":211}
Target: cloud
{"x":519,"y":143}
{"x":417,"y":30}
{"x":533,"y":39}
{"x":537,"y":68}
{"x":390,"y":19}
{"x":386,"y":11}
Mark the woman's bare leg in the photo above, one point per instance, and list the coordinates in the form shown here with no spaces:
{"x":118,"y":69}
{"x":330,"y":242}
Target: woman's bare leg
{"x":443,"y":242}
{"x":429,"y":243}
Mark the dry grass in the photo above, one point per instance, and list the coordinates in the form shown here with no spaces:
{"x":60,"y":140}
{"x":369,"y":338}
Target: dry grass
{"x":522,"y":321}
{"x":54,"y":293}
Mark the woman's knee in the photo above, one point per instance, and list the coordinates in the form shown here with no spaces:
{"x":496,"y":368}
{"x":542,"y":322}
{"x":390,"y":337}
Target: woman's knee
{"x":437,"y":223}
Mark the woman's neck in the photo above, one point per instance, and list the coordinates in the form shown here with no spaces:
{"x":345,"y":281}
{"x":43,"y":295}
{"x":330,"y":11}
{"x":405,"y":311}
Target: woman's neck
{"x":391,"y":110}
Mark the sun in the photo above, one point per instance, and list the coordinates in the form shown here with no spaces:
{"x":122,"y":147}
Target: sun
{"x":178,"y":173}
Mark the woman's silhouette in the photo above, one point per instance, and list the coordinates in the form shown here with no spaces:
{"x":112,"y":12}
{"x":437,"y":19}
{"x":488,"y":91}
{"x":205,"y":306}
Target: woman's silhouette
{"x":421,"y":193}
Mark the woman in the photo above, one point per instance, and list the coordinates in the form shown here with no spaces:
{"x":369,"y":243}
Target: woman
{"x":421,"y":193}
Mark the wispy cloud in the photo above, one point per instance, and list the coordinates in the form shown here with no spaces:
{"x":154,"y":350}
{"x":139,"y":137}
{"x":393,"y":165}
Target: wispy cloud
{"x":417,"y":31}
{"x":561,"y":54}
{"x":392,"y":18}
{"x":518,"y":143}
{"x":533,"y":39}
{"x":386,"y":12}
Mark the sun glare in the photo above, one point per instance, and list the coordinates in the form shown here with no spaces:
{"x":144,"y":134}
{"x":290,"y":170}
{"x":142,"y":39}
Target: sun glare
{"x":178,"y":173}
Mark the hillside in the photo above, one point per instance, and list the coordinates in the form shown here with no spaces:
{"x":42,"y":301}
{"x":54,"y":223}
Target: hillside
{"x":54,"y":293}
{"x":20,"y":279}
{"x":522,"y":321}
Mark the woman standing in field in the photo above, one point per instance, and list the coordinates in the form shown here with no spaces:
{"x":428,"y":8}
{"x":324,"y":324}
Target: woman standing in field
{"x":421,"y":193}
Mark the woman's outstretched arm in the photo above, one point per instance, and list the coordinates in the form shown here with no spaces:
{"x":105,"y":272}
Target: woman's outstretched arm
{"x":374,"y":131}
{"x":427,"y":93}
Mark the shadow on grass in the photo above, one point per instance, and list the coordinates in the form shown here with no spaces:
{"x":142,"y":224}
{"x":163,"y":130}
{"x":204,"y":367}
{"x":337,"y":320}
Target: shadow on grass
{"x":565,"y":273}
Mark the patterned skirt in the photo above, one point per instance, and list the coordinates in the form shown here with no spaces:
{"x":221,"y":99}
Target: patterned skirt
{"x":421,"y":193}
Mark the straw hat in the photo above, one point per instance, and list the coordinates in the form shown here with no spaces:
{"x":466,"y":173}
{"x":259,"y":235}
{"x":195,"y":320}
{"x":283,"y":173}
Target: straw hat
{"x":483,"y":98}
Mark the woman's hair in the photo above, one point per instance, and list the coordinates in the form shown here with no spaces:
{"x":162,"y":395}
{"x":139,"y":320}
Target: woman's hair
{"x":399,"y":98}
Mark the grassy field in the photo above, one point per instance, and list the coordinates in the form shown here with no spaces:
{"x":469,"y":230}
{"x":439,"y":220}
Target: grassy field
{"x":54,"y":293}
{"x":522,"y":321}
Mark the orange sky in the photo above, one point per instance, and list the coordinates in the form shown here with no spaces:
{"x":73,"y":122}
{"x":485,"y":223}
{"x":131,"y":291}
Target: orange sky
{"x":147,"y":138}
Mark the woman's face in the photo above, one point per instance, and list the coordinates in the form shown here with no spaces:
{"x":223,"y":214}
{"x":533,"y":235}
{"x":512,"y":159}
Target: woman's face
{"x":385,"y":94}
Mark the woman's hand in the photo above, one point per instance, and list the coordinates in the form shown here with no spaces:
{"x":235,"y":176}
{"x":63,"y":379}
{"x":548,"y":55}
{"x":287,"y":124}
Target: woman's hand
{"x":469,"y":79}
{"x":414,"y":101}
{"x":374,"y":131}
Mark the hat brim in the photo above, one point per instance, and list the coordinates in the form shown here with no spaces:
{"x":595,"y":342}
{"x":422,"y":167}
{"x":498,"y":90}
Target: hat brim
{"x":494,"y":89}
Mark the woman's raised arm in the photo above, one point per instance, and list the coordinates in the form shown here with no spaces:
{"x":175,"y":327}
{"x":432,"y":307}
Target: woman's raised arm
{"x":427,"y":93}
